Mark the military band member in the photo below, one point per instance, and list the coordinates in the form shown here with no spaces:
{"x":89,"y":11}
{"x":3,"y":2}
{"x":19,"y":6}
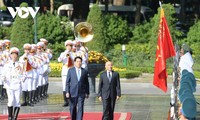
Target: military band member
{"x":48,"y":53}
{"x":6,"y":50}
{"x":66,"y":58}
{"x":13,"y":76}
{"x":42,"y":69}
{"x":27,"y":84}
{"x":2,"y":61}
{"x":35,"y":73}
{"x":81,"y":53}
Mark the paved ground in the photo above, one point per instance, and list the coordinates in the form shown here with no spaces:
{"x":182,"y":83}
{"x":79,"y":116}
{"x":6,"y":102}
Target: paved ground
{"x":143,"y":100}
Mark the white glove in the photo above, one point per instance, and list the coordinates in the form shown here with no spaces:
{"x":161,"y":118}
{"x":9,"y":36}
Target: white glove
{"x":3,"y":78}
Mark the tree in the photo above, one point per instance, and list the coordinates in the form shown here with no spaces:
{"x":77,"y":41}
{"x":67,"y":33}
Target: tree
{"x":51,"y":6}
{"x":1,"y":3}
{"x":116,"y":31}
{"x":58,"y":30}
{"x":22,"y":30}
{"x":95,"y":19}
{"x":148,"y":32}
{"x":137,"y":14}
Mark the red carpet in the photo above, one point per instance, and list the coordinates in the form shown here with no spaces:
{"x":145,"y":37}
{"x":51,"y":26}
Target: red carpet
{"x":66,"y":116}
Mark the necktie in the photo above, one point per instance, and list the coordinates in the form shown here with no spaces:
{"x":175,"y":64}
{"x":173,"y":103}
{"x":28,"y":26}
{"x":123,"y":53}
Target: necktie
{"x":14,"y":64}
{"x":78,"y":75}
{"x":109,"y":76}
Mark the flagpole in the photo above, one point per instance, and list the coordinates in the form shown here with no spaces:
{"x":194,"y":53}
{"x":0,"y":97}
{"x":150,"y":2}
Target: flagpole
{"x":160,"y":3}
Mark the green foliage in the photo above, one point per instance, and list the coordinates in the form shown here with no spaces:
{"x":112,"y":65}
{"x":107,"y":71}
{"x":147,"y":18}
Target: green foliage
{"x":148,"y":32}
{"x":55,"y":74}
{"x":3,"y":8}
{"x":54,"y":28}
{"x":196,"y":52}
{"x":116,"y":31}
{"x":136,"y":54}
{"x":194,"y":42}
{"x":95,"y":19}
{"x":21,"y":32}
{"x":129,"y":74}
{"x":197,"y":74}
{"x":141,"y":33}
{"x":57,"y":48}
{"x":5,"y":32}
{"x":193,"y":34}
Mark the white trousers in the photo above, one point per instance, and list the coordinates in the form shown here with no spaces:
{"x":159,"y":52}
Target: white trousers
{"x":13,"y":97}
{"x":64,"y":79}
{"x":1,"y":82}
{"x":34,"y":84}
{"x":27,"y":84}
{"x":40,"y":79}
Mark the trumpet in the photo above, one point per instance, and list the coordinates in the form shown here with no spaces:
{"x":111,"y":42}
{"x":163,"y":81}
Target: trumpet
{"x":25,"y":58}
{"x":7,"y":47}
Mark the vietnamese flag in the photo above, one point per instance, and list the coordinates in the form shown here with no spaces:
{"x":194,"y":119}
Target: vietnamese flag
{"x":165,"y":49}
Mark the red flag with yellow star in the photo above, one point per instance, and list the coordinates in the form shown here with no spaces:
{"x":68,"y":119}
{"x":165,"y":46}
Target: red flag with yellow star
{"x":165,"y":49}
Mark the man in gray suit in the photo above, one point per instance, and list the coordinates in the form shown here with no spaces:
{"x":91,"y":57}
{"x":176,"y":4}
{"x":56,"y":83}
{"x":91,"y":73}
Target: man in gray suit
{"x":109,"y":91}
{"x":77,"y":89}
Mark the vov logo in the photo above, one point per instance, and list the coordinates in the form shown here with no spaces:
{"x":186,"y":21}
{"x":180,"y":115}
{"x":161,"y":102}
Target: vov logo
{"x":23,"y":12}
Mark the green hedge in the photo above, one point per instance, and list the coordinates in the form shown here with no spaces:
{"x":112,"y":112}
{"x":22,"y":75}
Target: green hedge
{"x":134,"y":72}
{"x":124,"y":74}
{"x":130,"y":74}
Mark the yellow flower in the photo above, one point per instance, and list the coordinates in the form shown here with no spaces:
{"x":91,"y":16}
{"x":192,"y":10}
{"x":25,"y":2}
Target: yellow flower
{"x":96,"y":57}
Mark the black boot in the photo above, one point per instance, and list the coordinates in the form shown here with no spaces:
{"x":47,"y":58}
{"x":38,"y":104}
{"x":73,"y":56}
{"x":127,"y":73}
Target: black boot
{"x":16,"y":112}
{"x":40,"y":92}
{"x":24,"y":97}
{"x":46,"y":90}
{"x":37,"y":95}
{"x":10,"y":112}
{"x":33,"y":97}
{"x":29,"y":99}
{"x":43,"y":91}
{"x":4,"y":94}
{"x":1,"y":92}
{"x":66,"y":101}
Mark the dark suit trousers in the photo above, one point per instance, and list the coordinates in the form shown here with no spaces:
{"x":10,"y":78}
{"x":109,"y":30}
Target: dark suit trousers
{"x":77,"y":115}
{"x":108,"y":108}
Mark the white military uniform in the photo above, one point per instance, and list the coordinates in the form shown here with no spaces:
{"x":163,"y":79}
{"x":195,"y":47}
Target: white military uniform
{"x":64,"y":59}
{"x":13,"y":77}
{"x":27,"y":84}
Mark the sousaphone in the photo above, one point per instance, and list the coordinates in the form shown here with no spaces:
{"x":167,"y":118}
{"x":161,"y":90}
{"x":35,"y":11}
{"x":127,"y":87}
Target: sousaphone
{"x":83,"y":32}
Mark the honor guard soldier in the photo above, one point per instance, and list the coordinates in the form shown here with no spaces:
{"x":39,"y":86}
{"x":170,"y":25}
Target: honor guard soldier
{"x":42,"y":69}
{"x":13,"y":76}
{"x":6,"y":48}
{"x":47,"y":52}
{"x":66,"y":58}
{"x":27,"y":84}
{"x":81,"y":53}
{"x":35,"y":73}
{"x":2,"y":62}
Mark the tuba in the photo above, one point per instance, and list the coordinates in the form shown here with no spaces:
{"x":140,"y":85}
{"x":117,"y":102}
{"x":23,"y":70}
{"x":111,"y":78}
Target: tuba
{"x":83,"y":32}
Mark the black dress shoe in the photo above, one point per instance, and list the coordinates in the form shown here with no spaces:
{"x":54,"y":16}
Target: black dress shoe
{"x":24,"y":104}
{"x":30,"y":104}
{"x":65,"y":104}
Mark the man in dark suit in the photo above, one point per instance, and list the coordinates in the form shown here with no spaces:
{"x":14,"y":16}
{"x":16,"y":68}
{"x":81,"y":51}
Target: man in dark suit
{"x":109,"y":91}
{"x":77,"y":89}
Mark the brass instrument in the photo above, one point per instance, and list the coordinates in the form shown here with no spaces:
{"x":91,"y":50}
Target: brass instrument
{"x":7,"y":47}
{"x":25,"y":58}
{"x":84,"y":32}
